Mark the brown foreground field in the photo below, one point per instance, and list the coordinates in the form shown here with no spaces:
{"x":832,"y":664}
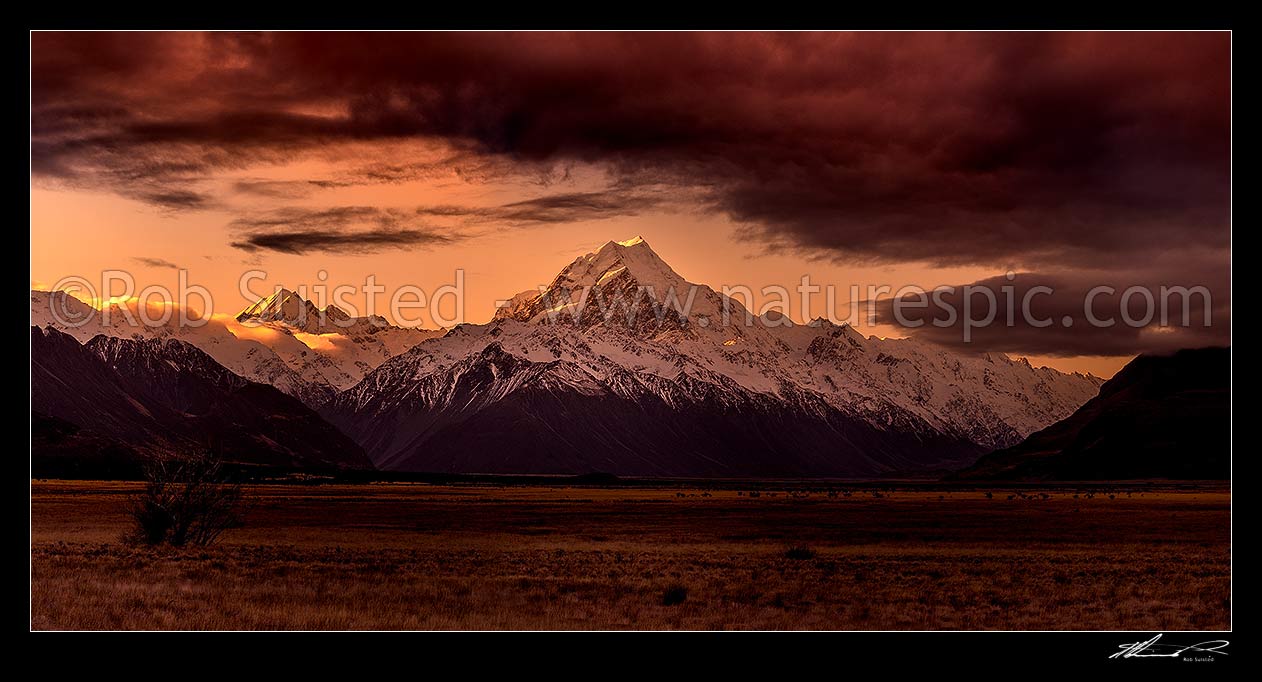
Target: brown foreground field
{"x":418,"y":556}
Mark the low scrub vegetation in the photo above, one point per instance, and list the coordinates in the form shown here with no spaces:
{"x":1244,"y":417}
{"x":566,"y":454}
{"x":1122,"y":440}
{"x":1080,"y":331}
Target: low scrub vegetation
{"x":185,"y":501}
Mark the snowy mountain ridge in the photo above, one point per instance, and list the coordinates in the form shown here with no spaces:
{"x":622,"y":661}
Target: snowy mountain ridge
{"x":619,"y":326}
{"x":309,"y":358}
{"x":622,"y":365}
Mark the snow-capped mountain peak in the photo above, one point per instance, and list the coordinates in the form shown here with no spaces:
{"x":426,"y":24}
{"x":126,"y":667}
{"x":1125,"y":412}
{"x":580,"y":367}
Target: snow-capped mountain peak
{"x":623,"y":283}
{"x":622,"y":365}
{"x":328,"y":345}
{"x":282,"y":339}
{"x":633,"y":256}
{"x":576,"y":382}
{"x":289,"y":308}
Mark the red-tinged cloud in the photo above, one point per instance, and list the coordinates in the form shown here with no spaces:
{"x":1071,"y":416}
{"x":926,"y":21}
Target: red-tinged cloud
{"x":943,"y":147}
{"x":339,"y":229}
{"x":1055,"y":152}
{"x":1106,"y":312}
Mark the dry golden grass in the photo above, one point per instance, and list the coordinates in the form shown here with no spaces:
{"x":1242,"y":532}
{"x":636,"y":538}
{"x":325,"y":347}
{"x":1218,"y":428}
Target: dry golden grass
{"x":484,"y":557}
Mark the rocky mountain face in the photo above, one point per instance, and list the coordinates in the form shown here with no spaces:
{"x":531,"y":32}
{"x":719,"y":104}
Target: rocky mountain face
{"x":621,"y":365}
{"x":282,"y":340}
{"x":1162,"y":417}
{"x":154,"y":397}
{"x":329,"y":346}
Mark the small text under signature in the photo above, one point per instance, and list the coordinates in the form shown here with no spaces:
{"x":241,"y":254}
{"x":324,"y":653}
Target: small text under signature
{"x":1154,"y":649}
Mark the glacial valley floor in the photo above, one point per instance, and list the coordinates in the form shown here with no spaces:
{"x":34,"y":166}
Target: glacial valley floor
{"x":687,"y":556}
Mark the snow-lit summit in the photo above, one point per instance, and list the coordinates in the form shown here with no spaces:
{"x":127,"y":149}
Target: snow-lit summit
{"x":282,"y":339}
{"x":620,"y":364}
{"x":629,"y":271}
{"x":287,"y":307}
{"x":633,"y":256}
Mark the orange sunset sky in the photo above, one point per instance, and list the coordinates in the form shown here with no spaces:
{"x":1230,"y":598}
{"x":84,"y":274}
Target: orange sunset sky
{"x":856,"y":159}
{"x":497,"y":262}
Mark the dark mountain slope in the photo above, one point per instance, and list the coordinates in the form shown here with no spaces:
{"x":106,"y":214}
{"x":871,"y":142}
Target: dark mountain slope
{"x":498,"y":413}
{"x":162,"y":396}
{"x":622,"y":366}
{"x":1163,"y":417}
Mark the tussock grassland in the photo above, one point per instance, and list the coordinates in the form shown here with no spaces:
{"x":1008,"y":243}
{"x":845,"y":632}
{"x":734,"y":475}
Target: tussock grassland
{"x":420,"y":556}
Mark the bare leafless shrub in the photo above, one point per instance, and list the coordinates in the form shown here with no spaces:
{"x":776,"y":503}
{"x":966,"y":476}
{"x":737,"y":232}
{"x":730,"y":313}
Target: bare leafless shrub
{"x":674,"y":595}
{"x":800,"y":553}
{"x":186,"y":500}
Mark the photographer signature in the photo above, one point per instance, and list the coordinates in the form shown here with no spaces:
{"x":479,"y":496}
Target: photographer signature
{"x":1152,"y":649}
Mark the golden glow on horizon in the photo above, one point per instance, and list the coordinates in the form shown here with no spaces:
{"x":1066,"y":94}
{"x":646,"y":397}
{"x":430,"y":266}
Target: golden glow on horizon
{"x":111,"y":233}
{"x":321,"y":342}
{"x":251,"y":332}
{"x":1101,"y":366}
{"x":157,"y":307}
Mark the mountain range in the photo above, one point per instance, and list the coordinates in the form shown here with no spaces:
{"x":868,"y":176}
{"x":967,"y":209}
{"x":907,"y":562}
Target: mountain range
{"x":600,"y":371}
{"x":153,"y":396}
{"x":282,"y":340}
{"x":619,"y":365}
{"x":1161,"y":417}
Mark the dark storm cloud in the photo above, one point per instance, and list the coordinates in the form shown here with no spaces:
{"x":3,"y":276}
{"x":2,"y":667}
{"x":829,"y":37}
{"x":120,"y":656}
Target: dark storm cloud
{"x":155,"y":262}
{"x":333,"y":217}
{"x":940,"y":147}
{"x":1197,"y":305}
{"x":340,"y":229}
{"x":262,"y":228}
{"x":362,"y":241}
{"x":1056,"y":152}
{"x":171,"y":198}
{"x":552,"y":209}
